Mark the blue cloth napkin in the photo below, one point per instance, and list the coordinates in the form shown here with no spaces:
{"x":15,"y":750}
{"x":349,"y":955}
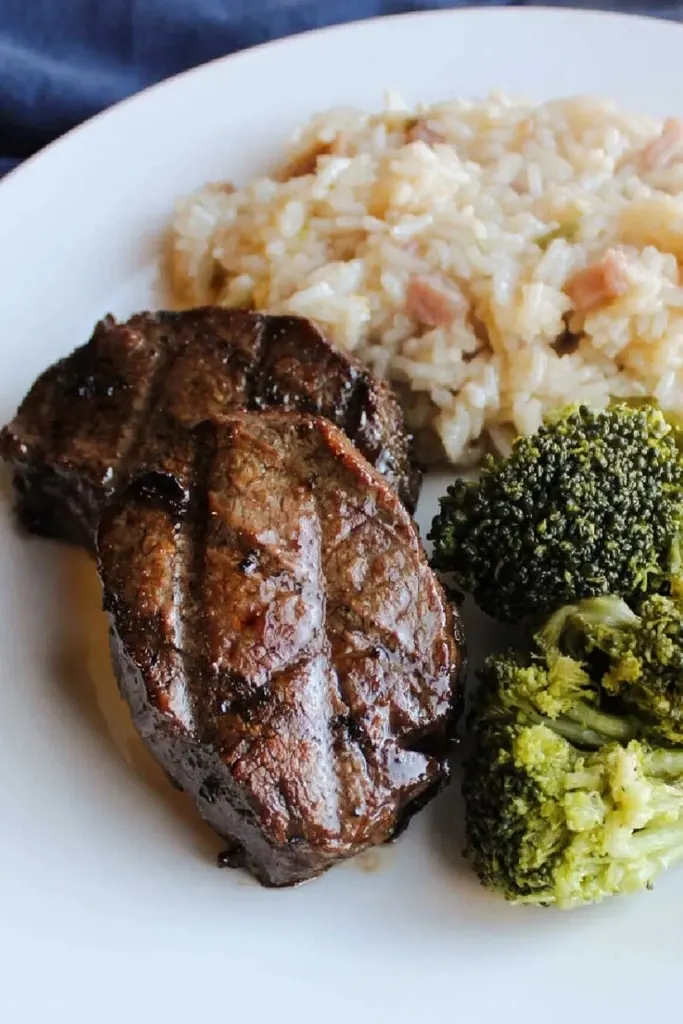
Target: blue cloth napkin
{"x":63,"y":60}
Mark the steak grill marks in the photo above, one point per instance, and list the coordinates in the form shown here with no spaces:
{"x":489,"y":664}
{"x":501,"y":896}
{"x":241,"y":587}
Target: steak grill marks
{"x":296,"y":676}
{"x":101,"y":415}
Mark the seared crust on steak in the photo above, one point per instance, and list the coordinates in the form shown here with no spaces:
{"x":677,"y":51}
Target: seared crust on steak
{"x":287,"y":654}
{"x":92,"y":420}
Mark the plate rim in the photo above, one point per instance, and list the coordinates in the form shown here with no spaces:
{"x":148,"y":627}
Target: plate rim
{"x":348,"y":27}
{"x":489,"y":919}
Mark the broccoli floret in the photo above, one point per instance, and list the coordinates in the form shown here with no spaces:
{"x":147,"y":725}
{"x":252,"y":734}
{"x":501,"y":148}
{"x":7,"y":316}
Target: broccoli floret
{"x":548,"y":823}
{"x":637,"y":657}
{"x":568,"y":798}
{"x":555,"y":691}
{"x":591,"y":504}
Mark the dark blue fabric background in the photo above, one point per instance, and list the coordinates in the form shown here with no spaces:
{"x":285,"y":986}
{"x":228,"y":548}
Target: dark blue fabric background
{"x":63,"y":60}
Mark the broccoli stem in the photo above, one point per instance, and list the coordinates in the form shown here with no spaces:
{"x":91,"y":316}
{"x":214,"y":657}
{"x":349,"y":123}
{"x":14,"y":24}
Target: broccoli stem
{"x":587,"y":727}
{"x":664,"y":763}
{"x":593,"y":611}
{"x":659,"y":842}
{"x":591,"y":728}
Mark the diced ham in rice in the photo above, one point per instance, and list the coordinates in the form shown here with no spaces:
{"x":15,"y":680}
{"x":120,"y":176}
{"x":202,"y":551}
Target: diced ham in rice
{"x":433,"y":301}
{"x":495,"y":258}
{"x":666,"y":148}
{"x":599,"y":283}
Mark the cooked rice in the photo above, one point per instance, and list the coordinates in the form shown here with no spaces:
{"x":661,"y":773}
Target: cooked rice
{"x":444,"y":247}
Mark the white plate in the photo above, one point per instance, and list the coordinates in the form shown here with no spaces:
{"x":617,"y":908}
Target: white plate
{"x":111,"y":907}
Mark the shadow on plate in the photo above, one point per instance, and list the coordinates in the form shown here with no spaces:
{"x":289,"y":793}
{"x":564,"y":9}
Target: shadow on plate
{"x":84,"y":676}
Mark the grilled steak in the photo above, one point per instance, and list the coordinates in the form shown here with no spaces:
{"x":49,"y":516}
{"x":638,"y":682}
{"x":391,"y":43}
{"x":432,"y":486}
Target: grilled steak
{"x":287,"y":654}
{"x":90,"y":421}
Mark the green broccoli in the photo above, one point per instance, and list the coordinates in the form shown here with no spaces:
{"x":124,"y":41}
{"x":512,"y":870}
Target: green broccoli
{"x":548,"y":823}
{"x":556,"y":691}
{"x":637,"y":657}
{"x":591,"y":504}
{"x":566,"y":802}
